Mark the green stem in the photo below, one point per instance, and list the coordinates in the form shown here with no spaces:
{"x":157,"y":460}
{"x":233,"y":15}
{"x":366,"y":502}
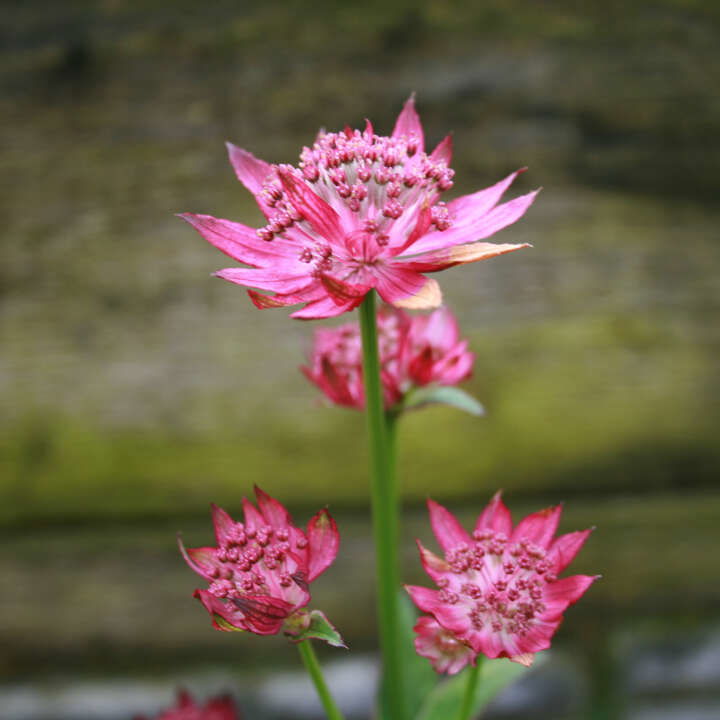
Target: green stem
{"x":313,"y":667}
{"x":385,"y":515}
{"x":470,"y":688}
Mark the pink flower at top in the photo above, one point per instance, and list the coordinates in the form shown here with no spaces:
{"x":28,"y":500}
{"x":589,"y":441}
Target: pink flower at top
{"x":222,"y":708}
{"x":260,"y":571}
{"x":499,"y":588}
{"x":414,"y":351}
{"x":361,"y":211}
{"x":445,"y":650}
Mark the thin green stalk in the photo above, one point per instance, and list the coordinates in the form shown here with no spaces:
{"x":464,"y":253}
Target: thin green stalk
{"x":470,"y":689}
{"x":313,"y":667}
{"x":385,"y":516}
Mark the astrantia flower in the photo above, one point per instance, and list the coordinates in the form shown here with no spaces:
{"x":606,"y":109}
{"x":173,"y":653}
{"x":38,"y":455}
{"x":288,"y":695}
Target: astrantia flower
{"x":360,"y":211}
{"x":222,"y":708}
{"x":445,"y":650}
{"x":415,"y":351}
{"x":260,"y":571}
{"x":499,"y":587}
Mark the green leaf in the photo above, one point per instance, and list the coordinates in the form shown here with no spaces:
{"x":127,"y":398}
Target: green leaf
{"x":419,"y":677}
{"x":442,"y":395}
{"x":303,"y":625}
{"x":444,"y":701}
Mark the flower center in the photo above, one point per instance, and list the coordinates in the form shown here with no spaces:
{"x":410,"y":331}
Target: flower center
{"x":374,"y":183}
{"x":249,"y":559}
{"x":503,"y":582}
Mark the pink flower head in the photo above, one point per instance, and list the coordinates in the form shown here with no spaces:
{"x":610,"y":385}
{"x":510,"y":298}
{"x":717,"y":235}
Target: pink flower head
{"x":260,"y":571}
{"x":360,"y":211}
{"x":414,"y":351}
{"x":222,"y":708}
{"x":499,"y":588}
{"x":445,"y":650}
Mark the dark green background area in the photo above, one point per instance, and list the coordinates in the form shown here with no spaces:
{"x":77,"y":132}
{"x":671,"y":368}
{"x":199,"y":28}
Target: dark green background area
{"x":135,"y":388}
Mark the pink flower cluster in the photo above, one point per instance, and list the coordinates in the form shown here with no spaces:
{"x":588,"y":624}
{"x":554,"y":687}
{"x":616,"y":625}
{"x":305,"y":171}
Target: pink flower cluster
{"x":499,"y":592}
{"x":360,"y":212}
{"x":414,"y":351}
{"x":261,"y":570}
{"x":222,"y":708}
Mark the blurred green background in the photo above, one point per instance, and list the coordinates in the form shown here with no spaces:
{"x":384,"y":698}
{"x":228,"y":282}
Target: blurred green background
{"x":135,"y":388}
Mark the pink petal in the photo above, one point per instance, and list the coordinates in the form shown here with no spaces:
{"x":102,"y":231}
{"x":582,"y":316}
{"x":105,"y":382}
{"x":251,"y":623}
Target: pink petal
{"x":443,"y":151}
{"x":540,"y":527}
{"x":241,"y":242}
{"x":264,"y":615}
{"x":408,"y":123}
{"x":461,"y":255}
{"x":436,"y":567}
{"x":217,"y":608}
{"x":323,"y":543}
{"x":342,"y":291}
{"x":222,"y":523}
{"x":322,"y":218}
{"x":564,"y":549}
{"x":253,"y":518}
{"x":265,"y":302}
{"x":251,"y":171}
{"x":447,"y":529}
{"x":406,"y":288}
{"x":332,"y":383}
{"x":324,"y":308}
{"x":478,"y":203}
{"x":279,"y":281}
{"x":275,"y":514}
{"x":451,"y":617}
{"x":568,"y":590}
{"x":201,"y":560}
{"x":476,"y":227}
{"x":495,"y":517}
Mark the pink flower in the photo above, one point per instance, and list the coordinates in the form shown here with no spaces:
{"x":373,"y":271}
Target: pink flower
{"x":260,"y":571}
{"x":445,"y":650}
{"x":499,"y":590}
{"x":222,"y":708}
{"x":414,"y":352}
{"x":360,"y":211}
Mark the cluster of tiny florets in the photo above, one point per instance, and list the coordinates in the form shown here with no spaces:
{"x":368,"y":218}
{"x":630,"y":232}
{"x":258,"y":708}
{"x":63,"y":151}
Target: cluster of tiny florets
{"x":518,"y":572}
{"x":238,"y":556}
{"x":377,"y":179}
